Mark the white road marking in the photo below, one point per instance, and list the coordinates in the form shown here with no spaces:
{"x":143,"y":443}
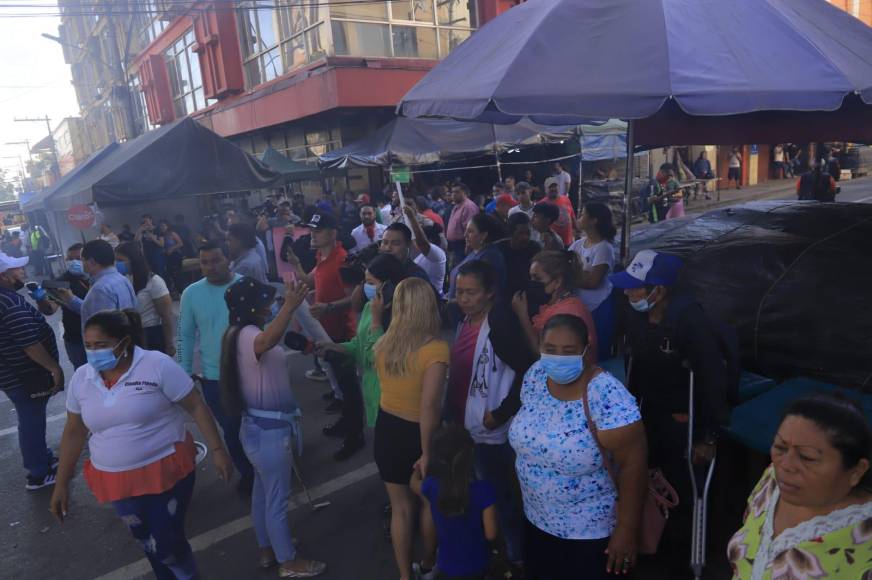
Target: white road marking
{"x":862,"y":200}
{"x":215,"y":535}
{"x":49,"y":419}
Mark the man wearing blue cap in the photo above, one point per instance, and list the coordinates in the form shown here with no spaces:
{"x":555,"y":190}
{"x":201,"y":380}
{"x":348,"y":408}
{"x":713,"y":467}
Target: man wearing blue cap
{"x":665,"y":330}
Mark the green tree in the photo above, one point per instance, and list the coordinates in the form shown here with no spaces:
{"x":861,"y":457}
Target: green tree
{"x":7,"y":188}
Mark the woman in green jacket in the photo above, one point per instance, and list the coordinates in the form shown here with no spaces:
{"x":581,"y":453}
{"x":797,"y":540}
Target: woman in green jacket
{"x":383,"y":273}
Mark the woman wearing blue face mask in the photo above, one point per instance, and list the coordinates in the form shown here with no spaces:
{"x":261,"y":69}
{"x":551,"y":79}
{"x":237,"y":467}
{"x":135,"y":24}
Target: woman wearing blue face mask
{"x":131,"y":401}
{"x":570,"y":410}
{"x":153,"y":300}
{"x":383,"y":273}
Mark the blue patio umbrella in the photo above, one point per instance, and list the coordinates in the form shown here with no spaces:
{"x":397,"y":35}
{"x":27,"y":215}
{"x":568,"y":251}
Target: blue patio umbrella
{"x":680,"y":71}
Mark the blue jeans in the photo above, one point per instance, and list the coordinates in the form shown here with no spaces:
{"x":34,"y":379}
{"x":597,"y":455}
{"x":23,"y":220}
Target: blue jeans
{"x":76,"y":353}
{"x":158,"y":522}
{"x":35,"y":454}
{"x":270,"y":452}
{"x":496,"y":464}
{"x":230,"y":426}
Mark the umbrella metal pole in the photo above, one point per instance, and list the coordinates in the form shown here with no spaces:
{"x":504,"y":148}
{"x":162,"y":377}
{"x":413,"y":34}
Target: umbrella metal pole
{"x":580,"y":168}
{"x":497,"y":154}
{"x":628,"y":191}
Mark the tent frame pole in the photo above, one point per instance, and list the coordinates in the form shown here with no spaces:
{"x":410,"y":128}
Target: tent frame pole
{"x":580,"y":169}
{"x":628,"y":189}
{"x":497,"y":153}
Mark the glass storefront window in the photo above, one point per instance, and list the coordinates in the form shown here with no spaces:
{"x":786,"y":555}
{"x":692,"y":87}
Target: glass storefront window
{"x":186,"y":80}
{"x":361,"y":39}
{"x":363,"y":10}
{"x":415,"y":42}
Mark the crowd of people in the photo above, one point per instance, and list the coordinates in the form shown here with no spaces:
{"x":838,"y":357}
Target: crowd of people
{"x":468,"y":334}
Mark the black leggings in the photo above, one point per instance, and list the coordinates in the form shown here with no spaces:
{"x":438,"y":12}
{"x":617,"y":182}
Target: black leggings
{"x":548,"y":557}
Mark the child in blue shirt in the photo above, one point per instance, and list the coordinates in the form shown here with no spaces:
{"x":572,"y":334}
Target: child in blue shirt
{"x":462,"y":507}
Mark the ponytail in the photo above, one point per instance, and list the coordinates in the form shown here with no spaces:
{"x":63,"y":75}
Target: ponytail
{"x":228,"y":381}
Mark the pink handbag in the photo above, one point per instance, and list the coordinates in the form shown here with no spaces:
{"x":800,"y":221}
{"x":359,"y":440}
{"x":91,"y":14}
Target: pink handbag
{"x":661,"y":496}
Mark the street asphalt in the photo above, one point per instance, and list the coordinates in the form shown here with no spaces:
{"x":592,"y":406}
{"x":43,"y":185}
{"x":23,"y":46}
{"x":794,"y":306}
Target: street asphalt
{"x":348,"y":533}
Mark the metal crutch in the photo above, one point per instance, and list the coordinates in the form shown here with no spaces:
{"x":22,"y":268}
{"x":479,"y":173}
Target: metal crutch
{"x":700,"y":502}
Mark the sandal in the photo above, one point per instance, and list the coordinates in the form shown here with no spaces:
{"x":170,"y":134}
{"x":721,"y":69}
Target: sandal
{"x":313,"y":568}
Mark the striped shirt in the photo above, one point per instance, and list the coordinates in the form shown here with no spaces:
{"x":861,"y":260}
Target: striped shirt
{"x":21,"y":326}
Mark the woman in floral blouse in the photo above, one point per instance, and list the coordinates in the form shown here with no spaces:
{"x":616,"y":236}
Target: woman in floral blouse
{"x":810,"y":515}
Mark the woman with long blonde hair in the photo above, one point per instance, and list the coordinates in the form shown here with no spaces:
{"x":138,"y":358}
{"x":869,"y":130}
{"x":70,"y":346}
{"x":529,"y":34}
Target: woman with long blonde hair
{"x":412,"y":363}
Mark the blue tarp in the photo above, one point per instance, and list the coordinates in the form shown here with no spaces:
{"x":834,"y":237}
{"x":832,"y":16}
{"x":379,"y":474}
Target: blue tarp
{"x":671,"y":62}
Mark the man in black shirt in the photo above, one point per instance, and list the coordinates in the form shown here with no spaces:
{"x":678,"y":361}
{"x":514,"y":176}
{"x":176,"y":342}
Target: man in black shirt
{"x":72,"y":322}
{"x":669,"y":335}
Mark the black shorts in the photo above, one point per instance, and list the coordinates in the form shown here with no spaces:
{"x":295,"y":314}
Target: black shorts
{"x":734,"y":173}
{"x":397,"y":447}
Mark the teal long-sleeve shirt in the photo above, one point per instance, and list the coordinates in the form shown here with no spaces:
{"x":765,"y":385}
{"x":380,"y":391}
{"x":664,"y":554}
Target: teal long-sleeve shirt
{"x":203,"y":314}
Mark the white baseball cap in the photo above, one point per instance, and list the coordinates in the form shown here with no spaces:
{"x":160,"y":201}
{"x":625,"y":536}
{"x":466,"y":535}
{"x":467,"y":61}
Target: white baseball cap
{"x":8,"y":262}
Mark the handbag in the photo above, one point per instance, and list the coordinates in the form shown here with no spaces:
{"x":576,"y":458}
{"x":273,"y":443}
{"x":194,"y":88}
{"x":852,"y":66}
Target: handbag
{"x":661,"y":496}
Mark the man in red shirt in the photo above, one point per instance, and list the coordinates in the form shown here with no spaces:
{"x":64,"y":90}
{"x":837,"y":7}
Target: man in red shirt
{"x":332,"y":309}
{"x":563,"y":226}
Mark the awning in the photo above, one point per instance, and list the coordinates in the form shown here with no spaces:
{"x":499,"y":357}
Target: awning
{"x":406,"y":141}
{"x":180,"y":159}
{"x":289,"y":169}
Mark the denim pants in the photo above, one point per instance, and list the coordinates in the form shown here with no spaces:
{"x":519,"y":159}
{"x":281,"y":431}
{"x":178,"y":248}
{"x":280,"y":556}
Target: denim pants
{"x":36,"y":456}
{"x":230,"y":426}
{"x":496,"y":464}
{"x":270,"y":452}
{"x":158,"y":521}
{"x":76,"y":353}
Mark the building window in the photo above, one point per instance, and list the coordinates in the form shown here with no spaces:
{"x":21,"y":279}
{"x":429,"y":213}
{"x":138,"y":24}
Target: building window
{"x":401,"y":28}
{"x":151,"y":25}
{"x":140,"y":110}
{"x":280,"y":37}
{"x":186,"y":81}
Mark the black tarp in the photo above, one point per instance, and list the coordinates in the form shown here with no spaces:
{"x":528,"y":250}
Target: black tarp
{"x":180,"y":159}
{"x":290,"y":170}
{"x":793,"y":278}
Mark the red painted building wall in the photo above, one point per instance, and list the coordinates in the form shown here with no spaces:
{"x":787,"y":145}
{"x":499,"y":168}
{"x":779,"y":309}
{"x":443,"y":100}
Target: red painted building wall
{"x":330,"y":83}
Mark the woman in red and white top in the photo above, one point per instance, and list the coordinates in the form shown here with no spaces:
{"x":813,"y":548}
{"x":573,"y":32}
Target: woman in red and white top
{"x":142,"y":458}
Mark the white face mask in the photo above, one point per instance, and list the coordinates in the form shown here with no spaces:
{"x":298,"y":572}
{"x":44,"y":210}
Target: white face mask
{"x":645,"y":304}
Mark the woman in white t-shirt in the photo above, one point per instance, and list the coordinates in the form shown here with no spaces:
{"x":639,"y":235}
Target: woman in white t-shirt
{"x":153,"y":300}
{"x":131,"y":402}
{"x":597,"y":253}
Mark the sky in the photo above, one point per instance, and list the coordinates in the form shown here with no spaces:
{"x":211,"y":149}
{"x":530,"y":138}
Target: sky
{"x":34,"y":80}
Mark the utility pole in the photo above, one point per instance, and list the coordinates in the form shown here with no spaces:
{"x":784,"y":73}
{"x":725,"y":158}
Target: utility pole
{"x":56,"y":169}
{"x":118,"y":67}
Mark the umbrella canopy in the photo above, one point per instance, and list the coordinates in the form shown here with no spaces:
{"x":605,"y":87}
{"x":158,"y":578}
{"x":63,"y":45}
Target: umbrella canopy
{"x":182,"y":158}
{"x":289,"y":169}
{"x":688,"y":70}
{"x":406,"y":141}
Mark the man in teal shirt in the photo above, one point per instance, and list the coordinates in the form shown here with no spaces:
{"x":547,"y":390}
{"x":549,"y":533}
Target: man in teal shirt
{"x":204,"y":315}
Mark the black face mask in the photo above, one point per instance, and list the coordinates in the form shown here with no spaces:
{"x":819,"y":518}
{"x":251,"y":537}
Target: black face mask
{"x":536,"y":294}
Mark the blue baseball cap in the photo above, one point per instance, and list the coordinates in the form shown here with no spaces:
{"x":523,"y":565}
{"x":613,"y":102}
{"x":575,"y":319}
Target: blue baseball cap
{"x":649,"y":268}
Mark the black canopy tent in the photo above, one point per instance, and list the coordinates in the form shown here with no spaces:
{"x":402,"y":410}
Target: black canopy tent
{"x":289,"y":169}
{"x":183,"y":158}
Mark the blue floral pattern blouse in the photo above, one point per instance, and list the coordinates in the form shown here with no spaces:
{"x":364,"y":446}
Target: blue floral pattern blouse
{"x":566,"y":488}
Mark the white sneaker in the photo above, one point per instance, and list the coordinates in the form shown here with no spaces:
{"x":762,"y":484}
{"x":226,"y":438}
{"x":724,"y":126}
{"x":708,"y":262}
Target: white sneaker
{"x":316,"y":375}
{"x":419,"y":575}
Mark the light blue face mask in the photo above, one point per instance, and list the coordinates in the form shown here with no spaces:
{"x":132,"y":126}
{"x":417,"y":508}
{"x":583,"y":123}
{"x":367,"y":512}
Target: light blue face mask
{"x":76,"y":267}
{"x":369,"y":290}
{"x":562,"y":368}
{"x":103,"y":359}
{"x":122,"y":268}
{"x":643,"y":305}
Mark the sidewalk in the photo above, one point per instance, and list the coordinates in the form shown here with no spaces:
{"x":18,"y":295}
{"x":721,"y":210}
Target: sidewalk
{"x":777,"y":188}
